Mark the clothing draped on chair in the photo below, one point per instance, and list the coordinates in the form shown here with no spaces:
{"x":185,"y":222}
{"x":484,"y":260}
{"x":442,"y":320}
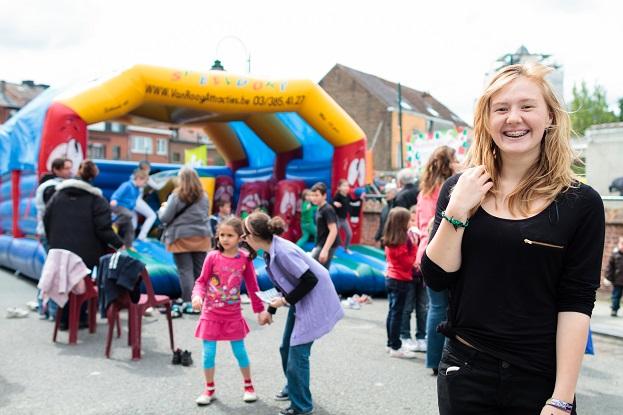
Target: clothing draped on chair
{"x":116,"y":274}
{"x":63,"y":272}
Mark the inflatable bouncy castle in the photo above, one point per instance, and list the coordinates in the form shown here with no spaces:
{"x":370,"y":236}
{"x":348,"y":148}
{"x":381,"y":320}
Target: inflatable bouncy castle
{"x":276,"y":136}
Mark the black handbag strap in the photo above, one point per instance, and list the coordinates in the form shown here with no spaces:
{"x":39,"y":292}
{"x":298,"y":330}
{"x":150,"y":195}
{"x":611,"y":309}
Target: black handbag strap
{"x":178,"y":214}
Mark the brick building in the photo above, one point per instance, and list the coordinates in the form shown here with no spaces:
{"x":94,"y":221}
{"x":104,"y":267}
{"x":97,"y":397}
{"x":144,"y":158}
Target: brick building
{"x":373,"y":103}
{"x":116,"y":141}
{"x":15,"y":96}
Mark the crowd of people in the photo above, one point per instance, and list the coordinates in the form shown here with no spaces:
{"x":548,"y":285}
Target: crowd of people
{"x":498,"y":258}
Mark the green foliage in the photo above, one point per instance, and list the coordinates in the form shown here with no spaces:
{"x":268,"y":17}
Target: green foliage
{"x":590,"y":108}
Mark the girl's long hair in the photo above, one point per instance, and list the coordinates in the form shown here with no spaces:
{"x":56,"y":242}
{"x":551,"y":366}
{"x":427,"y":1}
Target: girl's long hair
{"x":551,"y":173}
{"x":395,"y":231}
{"x":189,"y":188}
{"x":437,"y":169}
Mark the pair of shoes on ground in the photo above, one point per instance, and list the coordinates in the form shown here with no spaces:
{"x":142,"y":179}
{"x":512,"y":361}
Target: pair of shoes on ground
{"x":419,"y":345}
{"x":14,"y":312}
{"x":183,"y":358}
{"x":362,"y":299}
{"x":209,"y":395}
{"x":351,"y":303}
{"x":32,"y":306}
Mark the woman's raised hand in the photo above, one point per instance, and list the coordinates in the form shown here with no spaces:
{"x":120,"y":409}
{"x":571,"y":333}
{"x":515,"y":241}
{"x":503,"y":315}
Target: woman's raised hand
{"x":469,"y":192}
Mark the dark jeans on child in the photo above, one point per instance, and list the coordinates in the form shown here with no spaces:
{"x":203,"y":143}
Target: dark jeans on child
{"x":295,"y":364}
{"x":396,"y":295}
{"x":472,"y":382}
{"x":417,"y":299}
{"x":617,"y":290}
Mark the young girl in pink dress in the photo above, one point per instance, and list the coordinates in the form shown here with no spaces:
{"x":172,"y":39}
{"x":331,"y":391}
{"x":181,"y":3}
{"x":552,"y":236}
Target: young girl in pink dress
{"x":217,"y":294}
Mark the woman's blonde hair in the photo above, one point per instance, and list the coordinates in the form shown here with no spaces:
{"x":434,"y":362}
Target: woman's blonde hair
{"x":437,"y":169}
{"x":189,"y":188}
{"x":552,"y":173}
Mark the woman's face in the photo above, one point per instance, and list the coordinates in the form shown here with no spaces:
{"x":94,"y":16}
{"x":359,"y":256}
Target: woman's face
{"x":518,"y":118}
{"x":248,"y":236}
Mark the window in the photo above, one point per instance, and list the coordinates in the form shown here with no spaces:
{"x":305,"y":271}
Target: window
{"x":116,"y":152}
{"x":432,"y":110}
{"x":176,"y":158}
{"x":162,"y":147}
{"x":116,"y":127}
{"x":141,"y":144}
{"x":96,"y":151}
{"x":429,"y":125}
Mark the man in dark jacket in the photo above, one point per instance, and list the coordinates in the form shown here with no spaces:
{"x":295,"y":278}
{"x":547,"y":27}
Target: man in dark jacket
{"x":614,"y":274}
{"x":407,"y":196}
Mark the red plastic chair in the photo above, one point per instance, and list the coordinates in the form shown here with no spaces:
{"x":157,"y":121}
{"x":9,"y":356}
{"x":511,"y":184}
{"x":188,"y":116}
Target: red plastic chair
{"x":75,"y":304}
{"x":135,"y":316}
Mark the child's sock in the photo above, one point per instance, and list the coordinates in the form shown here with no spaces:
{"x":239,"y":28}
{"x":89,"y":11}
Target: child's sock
{"x":210,"y":389}
{"x":248,"y":386}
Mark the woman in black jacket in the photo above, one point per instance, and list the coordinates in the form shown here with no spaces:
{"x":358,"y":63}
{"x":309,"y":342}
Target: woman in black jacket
{"x":77,"y":218}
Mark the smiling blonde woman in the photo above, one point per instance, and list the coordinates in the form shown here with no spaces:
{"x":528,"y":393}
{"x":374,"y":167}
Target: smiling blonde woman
{"x":518,"y":242}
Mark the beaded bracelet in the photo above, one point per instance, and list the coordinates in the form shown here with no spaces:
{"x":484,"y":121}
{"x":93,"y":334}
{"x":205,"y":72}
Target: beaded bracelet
{"x":557,"y":403}
{"x":455,"y":222}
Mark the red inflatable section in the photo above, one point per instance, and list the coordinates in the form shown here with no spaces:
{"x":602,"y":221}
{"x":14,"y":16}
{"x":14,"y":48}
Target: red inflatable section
{"x":288,"y":207}
{"x":282,"y":160}
{"x":349,"y":162}
{"x":253,"y":195}
{"x":64,"y":135}
{"x":223,"y":190}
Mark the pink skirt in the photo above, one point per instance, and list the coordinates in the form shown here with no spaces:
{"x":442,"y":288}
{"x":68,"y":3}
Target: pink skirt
{"x":219,"y":329}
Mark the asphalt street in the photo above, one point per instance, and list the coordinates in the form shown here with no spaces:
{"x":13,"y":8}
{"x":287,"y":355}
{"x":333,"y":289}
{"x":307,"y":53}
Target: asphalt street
{"x":351,"y":372}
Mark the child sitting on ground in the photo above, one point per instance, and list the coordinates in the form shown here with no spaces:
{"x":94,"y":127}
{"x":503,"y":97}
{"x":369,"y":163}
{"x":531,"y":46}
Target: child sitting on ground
{"x":123,"y":202}
{"x":217,"y":294}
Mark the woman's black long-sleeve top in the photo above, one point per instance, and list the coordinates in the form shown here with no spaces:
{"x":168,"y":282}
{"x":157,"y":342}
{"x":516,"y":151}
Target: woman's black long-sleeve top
{"x":517,"y":275}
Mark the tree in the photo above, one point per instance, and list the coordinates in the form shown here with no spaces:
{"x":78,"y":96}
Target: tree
{"x":590,"y":108}
{"x":620,"y":109}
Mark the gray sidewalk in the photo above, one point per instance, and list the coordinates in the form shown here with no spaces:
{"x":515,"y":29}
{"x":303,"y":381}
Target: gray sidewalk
{"x":602,"y":323}
{"x":350,"y":371}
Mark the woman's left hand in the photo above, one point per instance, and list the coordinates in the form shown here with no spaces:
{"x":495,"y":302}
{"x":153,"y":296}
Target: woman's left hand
{"x":552,"y":410}
{"x":278,"y":302}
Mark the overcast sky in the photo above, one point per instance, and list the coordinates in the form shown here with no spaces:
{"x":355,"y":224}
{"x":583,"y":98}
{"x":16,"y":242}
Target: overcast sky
{"x":444,"y":47}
